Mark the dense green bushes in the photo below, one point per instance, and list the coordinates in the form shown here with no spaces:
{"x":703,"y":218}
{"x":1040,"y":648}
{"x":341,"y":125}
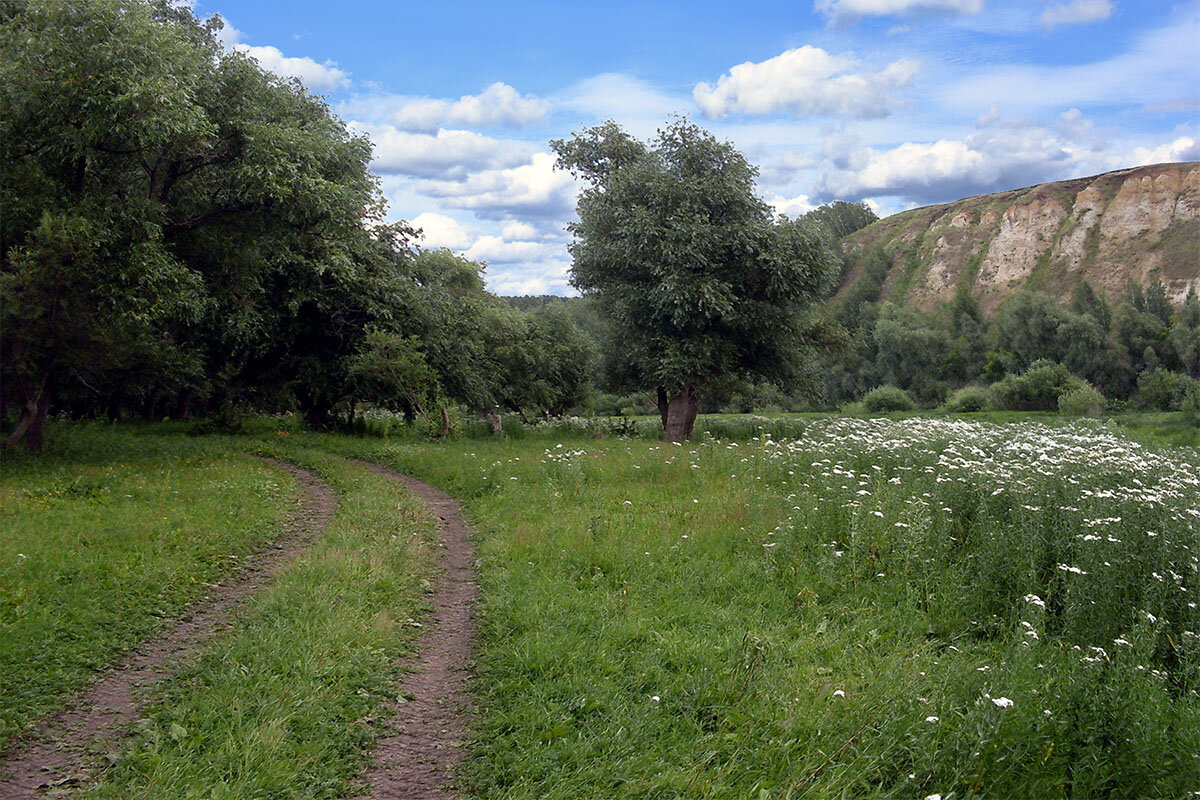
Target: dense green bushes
{"x":887,"y":398}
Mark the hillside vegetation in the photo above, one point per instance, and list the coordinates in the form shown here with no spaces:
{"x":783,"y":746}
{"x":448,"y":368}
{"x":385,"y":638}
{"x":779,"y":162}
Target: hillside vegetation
{"x":1132,"y":225}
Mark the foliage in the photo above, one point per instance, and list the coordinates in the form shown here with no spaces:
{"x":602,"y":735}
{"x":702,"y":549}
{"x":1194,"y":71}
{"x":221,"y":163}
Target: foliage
{"x":969,"y":399}
{"x":887,"y":398}
{"x":841,"y":218}
{"x":1081,"y":401}
{"x":1036,"y":389}
{"x":685,"y":261}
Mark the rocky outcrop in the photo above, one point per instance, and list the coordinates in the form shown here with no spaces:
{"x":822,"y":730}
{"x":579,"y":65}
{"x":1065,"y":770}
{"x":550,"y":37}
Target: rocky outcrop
{"x":1136,"y":225}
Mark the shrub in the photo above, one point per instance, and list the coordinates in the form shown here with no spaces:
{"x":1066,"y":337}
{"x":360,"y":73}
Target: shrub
{"x":968,"y":399}
{"x":1190,"y":406}
{"x":887,"y":398}
{"x":1082,"y":401}
{"x":1038,"y":389}
{"x":1164,"y":390}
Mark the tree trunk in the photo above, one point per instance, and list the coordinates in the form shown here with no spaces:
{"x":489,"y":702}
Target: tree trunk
{"x":681,"y":414}
{"x":662,"y":405}
{"x":185,"y":404}
{"x":497,"y":424}
{"x":446,"y":426}
{"x":317,"y":417}
{"x":32,"y":426}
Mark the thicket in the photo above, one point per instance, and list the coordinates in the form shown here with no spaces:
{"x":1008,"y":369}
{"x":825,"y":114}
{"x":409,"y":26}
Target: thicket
{"x":1141,"y":351}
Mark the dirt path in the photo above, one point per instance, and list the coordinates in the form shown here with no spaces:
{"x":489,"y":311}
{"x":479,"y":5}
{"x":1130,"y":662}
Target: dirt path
{"x":418,"y":760}
{"x":51,"y":756}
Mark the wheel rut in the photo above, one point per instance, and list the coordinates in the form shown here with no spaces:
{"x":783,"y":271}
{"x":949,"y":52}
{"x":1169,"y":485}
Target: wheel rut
{"x":52,"y":755}
{"x":418,"y":758}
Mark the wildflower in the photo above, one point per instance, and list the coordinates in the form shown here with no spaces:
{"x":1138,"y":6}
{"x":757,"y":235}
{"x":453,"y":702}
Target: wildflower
{"x":655,"y":698}
{"x":1002,"y":702}
{"x":839,"y":693}
{"x":931,"y":719}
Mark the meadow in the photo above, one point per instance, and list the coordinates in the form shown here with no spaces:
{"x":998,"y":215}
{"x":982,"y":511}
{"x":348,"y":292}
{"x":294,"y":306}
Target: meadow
{"x":837,"y":607}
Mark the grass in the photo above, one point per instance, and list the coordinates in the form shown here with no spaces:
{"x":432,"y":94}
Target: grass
{"x":105,"y":538}
{"x":287,"y":702}
{"x":975,"y":605}
{"x":721,"y":621}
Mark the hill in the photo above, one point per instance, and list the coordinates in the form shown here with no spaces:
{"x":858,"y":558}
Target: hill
{"x":1135,"y":225}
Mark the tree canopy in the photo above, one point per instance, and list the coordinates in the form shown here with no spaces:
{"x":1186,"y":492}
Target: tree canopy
{"x":698,"y":278}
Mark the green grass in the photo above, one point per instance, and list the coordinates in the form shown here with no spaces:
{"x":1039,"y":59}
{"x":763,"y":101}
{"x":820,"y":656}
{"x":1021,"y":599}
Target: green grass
{"x":105,"y":538}
{"x":286,"y":703}
{"x":840,"y":608}
{"x":713,"y":621}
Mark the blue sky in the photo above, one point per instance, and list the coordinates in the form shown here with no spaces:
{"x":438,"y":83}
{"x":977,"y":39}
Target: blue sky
{"x":898,"y":103}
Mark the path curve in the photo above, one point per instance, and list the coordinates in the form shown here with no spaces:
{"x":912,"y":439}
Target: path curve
{"x":50,"y":756}
{"x":418,"y":759}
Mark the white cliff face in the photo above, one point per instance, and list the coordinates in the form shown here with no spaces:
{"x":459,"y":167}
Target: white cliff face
{"x":1137,"y":225}
{"x":1026,"y":232}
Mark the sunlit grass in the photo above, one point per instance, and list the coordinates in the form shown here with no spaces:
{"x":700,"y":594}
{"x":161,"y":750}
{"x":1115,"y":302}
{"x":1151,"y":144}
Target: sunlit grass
{"x":106,"y":537}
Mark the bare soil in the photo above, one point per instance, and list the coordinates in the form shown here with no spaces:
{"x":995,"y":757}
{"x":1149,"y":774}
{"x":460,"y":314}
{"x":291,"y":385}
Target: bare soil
{"x":53,"y":755}
{"x":426,"y":730}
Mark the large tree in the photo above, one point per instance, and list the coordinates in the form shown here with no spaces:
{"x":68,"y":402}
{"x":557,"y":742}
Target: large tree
{"x":698,"y":278}
{"x":176,"y":219}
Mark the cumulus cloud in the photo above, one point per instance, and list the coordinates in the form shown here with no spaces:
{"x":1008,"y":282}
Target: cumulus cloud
{"x":805,"y":81}
{"x":1185,"y":148}
{"x":448,"y":154}
{"x":791,"y":206}
{"x":495,"y":250}
{"x":1002,"y":156}
{"x":498,"y":104}
{"x":438,"y":230}
{"x":851,"y":10}
{"x":324,"y":76}
{"x":1075,"y":12}
{"x":531,"y":191}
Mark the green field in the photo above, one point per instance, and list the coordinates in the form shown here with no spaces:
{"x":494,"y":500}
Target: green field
{"x":891,"y":608}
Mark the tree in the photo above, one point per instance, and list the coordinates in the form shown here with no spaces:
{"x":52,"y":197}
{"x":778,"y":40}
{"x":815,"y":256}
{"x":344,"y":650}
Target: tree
{"x":842,"y":218}
{"x":698,"y":279}
{"x":178,"y":221}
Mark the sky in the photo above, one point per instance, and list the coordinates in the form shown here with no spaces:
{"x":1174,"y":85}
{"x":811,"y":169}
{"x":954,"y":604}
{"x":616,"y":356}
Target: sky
{"x":896,"y":103}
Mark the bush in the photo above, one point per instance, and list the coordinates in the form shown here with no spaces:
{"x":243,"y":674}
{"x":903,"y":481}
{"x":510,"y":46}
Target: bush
{"x":1038,"y":389}
{"x":1083,"y":401}
{"x":887,"y":398}
{"x":968,"y":399}
{"x":1190,"y":406}
{"x":1164,"y":390}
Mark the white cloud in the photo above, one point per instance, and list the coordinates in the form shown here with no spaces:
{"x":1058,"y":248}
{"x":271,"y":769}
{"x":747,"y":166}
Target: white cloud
{"x":1076,"y":12}
{"x":325,"y":76}
{"x":534,"y":190}
{"x":791,"y":206}
{"x":315,"y":76}
{"x":850,"y":10}
{"x":1185,"y":148}
{"x":447,"y":154}
{"x":498,"y":104}
{"x":1004,"y":155}
{"x":806,"y":80}
{"x":494,"y":249}
{"x":438,"y":230}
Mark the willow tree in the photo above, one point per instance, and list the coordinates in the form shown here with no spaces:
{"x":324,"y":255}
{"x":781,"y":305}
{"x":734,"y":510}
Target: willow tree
{"x":700,"y":281}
